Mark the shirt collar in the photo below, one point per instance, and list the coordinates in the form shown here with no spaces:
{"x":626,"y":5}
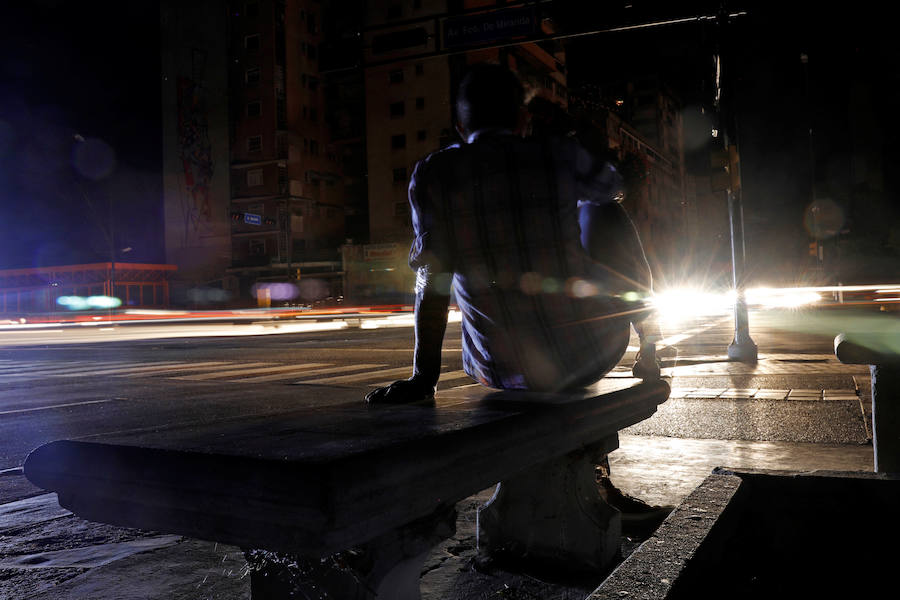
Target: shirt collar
{"x":488,"y":131}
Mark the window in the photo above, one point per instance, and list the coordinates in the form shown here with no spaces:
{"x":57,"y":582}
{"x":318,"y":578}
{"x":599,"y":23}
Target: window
{"x":396,"y":76}
{"x":251,"y":42}
{"x":254,"y":109}
{"x":258,"y":247}
{"x":254,"y":143}
{"x":401,"y":209}
{"x":313,"y":84}
{"x":398,"y":141}
{"x":420,"y":69}
{"x":420,"y":102}
{"x":311,"y":23}
{"x":395,"y":11}
{"x":254,"y":177}
{"x":397,"y":109}
{"x":313,"y":114}
{"x":314,"y":147}
{"x":421,"y":135}
{"x":400,"y":175}
{"x":311,"y":51}
{"x":251,"y":76}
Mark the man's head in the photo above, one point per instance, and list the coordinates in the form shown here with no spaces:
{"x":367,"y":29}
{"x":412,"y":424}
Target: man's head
{"x":489,"y":96}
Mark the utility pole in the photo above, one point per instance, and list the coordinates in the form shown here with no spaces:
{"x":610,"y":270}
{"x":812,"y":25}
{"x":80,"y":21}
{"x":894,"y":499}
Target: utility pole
{"x":742,"y":347}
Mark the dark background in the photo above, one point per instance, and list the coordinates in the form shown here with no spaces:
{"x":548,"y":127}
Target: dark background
{"x":92,"y":69}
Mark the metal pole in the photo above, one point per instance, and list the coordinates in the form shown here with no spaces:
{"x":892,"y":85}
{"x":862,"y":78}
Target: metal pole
{"x":742,"y":347}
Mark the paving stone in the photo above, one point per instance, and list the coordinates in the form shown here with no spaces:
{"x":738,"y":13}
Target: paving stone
{"x":739,"y":393}
{"x":771,"y":394}
{"x":705,"y":393}
{"x":803,"y":394}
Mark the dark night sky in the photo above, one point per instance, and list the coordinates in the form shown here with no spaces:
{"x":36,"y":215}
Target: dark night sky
{"x":87,"y":68}
{"x":92,"y":68}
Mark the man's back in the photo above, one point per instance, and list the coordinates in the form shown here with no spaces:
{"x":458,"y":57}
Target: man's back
{"x":502,"y":214}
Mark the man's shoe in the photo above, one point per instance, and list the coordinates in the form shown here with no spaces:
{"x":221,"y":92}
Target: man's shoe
{"x":646,"y":368}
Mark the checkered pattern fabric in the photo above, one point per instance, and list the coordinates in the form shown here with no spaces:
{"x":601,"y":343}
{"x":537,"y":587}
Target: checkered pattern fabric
{"x":500,"y":215}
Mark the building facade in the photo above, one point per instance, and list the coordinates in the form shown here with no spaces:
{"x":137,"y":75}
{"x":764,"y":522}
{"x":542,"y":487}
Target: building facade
{"x":287,"y":189}
{"x":195,"y":143}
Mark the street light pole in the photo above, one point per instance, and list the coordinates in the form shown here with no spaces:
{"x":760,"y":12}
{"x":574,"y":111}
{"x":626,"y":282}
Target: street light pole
{"x":742,"y":347}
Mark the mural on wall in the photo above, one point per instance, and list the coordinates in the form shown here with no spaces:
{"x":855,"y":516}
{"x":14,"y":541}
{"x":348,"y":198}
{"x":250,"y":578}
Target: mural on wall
{"x":196,"y":157}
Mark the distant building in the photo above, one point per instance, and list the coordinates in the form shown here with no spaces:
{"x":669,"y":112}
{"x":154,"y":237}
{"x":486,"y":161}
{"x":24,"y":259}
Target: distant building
{"x":195,"y":143}
{"x":254,"y":190}
{"x":287,"y":188}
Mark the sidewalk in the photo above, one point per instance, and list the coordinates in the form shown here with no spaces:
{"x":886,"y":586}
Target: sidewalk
{"x":47,"y":553}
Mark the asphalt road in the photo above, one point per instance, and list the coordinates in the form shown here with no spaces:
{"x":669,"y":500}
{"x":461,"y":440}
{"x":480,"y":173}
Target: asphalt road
{"x":59,"y":384}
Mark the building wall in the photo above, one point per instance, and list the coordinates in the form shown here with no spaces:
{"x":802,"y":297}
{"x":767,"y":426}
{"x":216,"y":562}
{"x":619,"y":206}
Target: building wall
{"x":285,"y":167}
{"x":195,"y":141}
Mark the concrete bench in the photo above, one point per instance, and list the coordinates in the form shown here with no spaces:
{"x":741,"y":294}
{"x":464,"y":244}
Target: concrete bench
{"x":881,"y":351}
{"x":347,"y":501}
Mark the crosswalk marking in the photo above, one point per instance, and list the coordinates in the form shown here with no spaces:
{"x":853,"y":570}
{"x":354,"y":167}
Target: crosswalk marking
{"x":270,"y":368}
{"x":17,"y":367}
{"x":306,"y":373}
{"x":445,"y":377}
{"x":176,"y":368}
{"x":359,"y":376}
{"x":128,"y":369}
{"x":56,"y":371}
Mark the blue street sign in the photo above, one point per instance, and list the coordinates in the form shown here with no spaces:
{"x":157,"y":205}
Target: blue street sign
{"x":486,"y":27}
{"x":251,"y":219}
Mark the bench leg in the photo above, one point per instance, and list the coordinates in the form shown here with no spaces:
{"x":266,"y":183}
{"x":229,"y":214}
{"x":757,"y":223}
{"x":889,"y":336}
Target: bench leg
{"x":886,"y":418}
{"x":552,"y":518}
{"x":388,"y":567}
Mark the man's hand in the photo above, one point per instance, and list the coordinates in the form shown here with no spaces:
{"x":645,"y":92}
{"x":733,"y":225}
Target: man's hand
{"x":405,"y":391}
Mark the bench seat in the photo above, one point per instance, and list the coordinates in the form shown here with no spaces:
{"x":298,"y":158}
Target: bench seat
{"x":318,"y":481}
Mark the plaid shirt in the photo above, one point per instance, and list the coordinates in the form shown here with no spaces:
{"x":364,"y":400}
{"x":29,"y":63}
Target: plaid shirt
{"x":500,"y":215}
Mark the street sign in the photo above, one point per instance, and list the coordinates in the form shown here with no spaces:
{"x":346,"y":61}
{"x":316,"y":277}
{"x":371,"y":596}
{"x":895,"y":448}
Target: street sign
{"x":468,"y":30}
{"x":251,"y":219}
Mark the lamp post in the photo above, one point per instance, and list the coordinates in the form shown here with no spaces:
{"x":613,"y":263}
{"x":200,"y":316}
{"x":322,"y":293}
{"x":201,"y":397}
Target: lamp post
{"x":108,"y":229}
{"x":742,"y":347}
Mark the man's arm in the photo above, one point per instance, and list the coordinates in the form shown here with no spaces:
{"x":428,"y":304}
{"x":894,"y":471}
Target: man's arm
{"x":429,"y":256}
{"x":431,"y":323}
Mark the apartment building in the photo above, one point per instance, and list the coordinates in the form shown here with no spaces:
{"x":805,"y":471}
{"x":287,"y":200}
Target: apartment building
{"x":287,"y":197}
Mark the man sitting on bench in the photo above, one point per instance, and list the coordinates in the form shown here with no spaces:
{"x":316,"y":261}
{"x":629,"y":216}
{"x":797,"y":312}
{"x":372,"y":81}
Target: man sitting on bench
{"x":547,"y":267}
